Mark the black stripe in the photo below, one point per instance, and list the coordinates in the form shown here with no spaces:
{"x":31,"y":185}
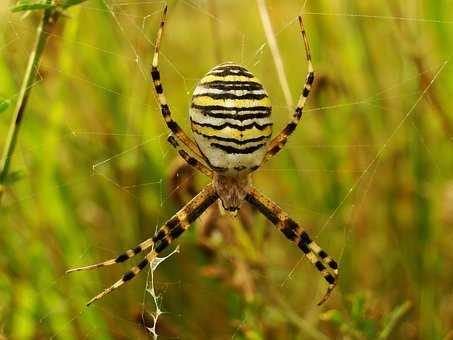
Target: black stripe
{"x":230,"y":72}
{"x":290,"y":128}
{"x":128,"y":276}
{"x":289,"y":229}
{"x":143,"y":264}
{"x":159,"y":89}
{"x":303,"y":246}
{"x":171,"y":139}
{"x":227,"y":95}
{"x":320,"y":266}
{"x":159,"y":235}
{"x":121,"y":258}
{"x":234,"y":108}
{"x":271,"y":215}
{"x":173,"y":222}
{"x":155,"y":74}
{"x":218,"y":168}
{"x":298,"y":113}
{"x":332,"y":264}
{"x":233,"y":126}
{"x":234,"y":140}
{"x":290,"y":234}
{"x":137,"y":250}
{"x":173,"y":126}
{"x":231,"y":85}
{"x":192,"y":161}
{"x":310,"y":78}
{"x":176,"y":232}
{"x":329,"y":278}
{"x":235,"y":116}
{"x":229,"y":66}
{"x":306,"y":92}
{"x":275,"y":148}
{"x":165,"y":109}
{"x":233,"y":150}
{"x":198,"y":210}
{"x":322,"y":254}
{"x":161,"y":245}
{"x":290,"y":223}
{"x":305,"y":238}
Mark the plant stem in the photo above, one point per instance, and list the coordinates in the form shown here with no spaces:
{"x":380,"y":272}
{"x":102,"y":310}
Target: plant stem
{"x":273,"y":46}
{"x":48,"y":21}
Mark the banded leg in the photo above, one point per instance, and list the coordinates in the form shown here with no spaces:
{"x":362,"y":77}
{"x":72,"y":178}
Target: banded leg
{"x":155,"y":74}
{"x":193,"y":161}
{"x":173,"y":228}
{"x":294,"y":232}
{"x":143,"y":246}
{"x":277,"y":143}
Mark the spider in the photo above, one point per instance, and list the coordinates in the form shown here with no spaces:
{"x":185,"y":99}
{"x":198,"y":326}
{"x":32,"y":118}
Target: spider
{"x":230,"y":119}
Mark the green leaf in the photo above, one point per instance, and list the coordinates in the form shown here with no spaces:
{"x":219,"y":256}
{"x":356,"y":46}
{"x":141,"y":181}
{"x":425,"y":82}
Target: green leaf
{"x":357,"y":307}
{"x":367,"y":327}
{"x":69,"y":3}
{"x":393,"y":318}
{"x":4,"y":104}
{"x":26,"y":5}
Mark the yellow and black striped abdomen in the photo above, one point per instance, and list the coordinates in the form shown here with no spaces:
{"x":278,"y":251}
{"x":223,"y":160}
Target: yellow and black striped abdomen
{"x":230,"y":116}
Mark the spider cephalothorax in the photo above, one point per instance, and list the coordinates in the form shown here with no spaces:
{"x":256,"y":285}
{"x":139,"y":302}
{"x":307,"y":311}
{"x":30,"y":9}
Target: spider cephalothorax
{"x":231,"y":190}
{"x":230,"y":116}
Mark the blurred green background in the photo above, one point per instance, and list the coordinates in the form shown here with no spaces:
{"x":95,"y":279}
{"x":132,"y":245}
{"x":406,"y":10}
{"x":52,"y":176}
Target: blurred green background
{"x":368,"y":173}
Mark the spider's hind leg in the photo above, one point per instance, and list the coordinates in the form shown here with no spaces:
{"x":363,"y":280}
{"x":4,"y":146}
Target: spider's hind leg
{"x":120,"y":258}
{"x":294,"y":232}
{"x":172,"y":229}
{"x":143,"y":246}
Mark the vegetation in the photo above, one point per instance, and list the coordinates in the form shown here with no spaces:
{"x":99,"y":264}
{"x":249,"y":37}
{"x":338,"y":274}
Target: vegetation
{"x":368,"y":172}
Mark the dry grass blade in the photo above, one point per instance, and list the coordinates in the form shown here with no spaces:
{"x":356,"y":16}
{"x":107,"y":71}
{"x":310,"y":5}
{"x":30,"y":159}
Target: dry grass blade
{"x":273,"y":46}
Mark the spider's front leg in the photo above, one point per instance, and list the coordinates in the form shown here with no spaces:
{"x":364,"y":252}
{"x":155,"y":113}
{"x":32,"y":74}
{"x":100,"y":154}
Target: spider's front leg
{"x":294,"y":232}
{"x":173,"y":228}
{"x":166,"y":113}
{"x":279,"y":141}
{"x":190,"y":159}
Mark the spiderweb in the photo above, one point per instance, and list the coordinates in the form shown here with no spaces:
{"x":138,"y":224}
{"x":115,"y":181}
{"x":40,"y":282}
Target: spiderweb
{"x":136,"y":33}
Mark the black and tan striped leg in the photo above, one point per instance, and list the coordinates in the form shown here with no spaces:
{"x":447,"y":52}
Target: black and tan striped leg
{"x":155,"y":74}
{"x":173,"y":228}
{"x":294,"y":232}
{"x":277,"y":143}
{"x":143,"y":246}
{"x":190,"y":159}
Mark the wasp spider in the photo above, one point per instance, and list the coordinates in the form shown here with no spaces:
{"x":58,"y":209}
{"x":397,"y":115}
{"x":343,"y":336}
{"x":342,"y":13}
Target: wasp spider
{"x":230,"y":118}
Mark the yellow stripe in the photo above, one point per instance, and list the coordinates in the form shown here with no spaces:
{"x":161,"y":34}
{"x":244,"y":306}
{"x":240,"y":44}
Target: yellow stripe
{"x":239,"y":103}
{"x":229,"y":132}
{"x":210,"y":78}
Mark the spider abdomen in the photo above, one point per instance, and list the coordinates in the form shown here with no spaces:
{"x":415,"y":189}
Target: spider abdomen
{"x":230,"y":116}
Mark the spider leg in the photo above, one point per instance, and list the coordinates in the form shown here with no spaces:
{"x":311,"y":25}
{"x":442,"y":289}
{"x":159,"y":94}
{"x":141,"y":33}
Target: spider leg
{"x":173,"y":228}
{"x":192,"y":160}
{"x":294,"y":232}
{"x":143,"y":246}
{"x":277,"y":143}
{"x":155,"y":74}
{"x":120,"y":258}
